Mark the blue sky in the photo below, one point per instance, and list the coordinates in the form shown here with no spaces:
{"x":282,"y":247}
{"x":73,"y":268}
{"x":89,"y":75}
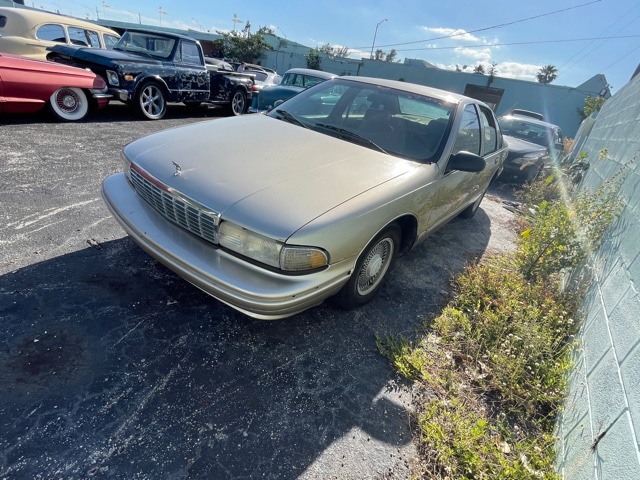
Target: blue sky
{"x":580,"y":38}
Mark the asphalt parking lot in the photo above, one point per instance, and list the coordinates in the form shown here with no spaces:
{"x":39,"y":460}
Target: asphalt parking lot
{"x":111,"y":366}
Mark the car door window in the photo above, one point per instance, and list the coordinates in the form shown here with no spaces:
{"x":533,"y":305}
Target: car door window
{"x":489,"y":131}
{"x":81,"y":36}
{"x":109,"y":41}
{"x":468,"y":135}
{"x":190,"y":54}
{"x":51,"y":32}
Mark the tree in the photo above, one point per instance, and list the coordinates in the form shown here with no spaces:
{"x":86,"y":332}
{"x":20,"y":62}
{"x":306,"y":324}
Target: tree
{"x":245,"y":46}
{"x":334,"y":51}
{"x":492,"y":73}
{"x":341,"y":51}
{"x":460,"y":69}
{"x":547,"y":74}
{"x":313,"y":59}
{"x":327,"y":49}
{"x":391,"y":56}
{"x":479,"y":69}
{"x":591,"y":104}
{"x":378,"y":54}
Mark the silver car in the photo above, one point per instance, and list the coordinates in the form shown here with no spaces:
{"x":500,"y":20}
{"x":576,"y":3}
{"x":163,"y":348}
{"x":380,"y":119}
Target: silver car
{"x":272,"y":214}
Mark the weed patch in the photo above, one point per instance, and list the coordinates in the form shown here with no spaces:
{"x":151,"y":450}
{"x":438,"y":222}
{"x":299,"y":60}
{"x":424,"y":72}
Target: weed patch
{"x":491,"y":369}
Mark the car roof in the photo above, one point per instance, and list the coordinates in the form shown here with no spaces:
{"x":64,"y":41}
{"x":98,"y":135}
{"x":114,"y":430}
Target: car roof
{"x":161,"y":33}
{"x":526,"y":118}
{"x":415,"y":88}
{"x":311,"y":72}
{"x":30,"y":17}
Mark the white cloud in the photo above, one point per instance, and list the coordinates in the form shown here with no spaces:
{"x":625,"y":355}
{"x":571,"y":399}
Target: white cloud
{"x":454,"y":33}
{"x":474,"y":54}
{"x":521,"y":71}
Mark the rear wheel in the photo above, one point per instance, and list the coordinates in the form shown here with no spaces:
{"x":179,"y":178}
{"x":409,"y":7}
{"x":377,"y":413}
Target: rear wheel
{"x":238,"y":103}
{"x":150,"y":101}
{"x":69,"y":104}
{"x":371,"y":269}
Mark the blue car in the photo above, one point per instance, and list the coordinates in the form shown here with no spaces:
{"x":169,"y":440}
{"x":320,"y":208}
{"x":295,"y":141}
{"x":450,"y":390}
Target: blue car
{"x":293,"y":82}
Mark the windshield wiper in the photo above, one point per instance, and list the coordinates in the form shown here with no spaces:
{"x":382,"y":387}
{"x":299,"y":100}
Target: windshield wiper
{"x":352,"y":135}
{"x":290,"y":118}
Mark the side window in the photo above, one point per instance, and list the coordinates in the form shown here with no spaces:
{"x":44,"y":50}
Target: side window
{"x":190,"y":54}
{"x":109,"y":41}
{"x":80,"y":36}
{"x":51,"y":32}
{"x":490,"y":132}
{"x":298,"y":81}
{"x":468,"y":135}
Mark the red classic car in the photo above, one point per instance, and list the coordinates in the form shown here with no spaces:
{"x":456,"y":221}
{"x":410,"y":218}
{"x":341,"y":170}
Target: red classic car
{"x":28,"y":85}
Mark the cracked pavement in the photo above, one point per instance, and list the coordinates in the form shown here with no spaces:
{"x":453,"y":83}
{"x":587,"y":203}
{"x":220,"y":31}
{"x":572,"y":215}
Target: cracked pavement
{"x":112,"y":366}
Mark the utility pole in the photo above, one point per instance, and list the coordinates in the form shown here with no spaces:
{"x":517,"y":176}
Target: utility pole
{"x":235,"y":20}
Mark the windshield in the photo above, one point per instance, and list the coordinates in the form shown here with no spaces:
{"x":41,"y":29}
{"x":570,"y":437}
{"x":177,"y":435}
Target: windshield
{"x":531,"y":132}
{"x":385,"y":119}
{"x":146,"y":44}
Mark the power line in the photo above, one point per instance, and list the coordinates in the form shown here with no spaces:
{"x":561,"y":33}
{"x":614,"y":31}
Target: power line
{"x":533,"y":42}
{"x":500,"y":25}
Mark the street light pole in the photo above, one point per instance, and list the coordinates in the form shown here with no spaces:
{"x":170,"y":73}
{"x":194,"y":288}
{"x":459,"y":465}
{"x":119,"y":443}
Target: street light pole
{"x":374,"y":37}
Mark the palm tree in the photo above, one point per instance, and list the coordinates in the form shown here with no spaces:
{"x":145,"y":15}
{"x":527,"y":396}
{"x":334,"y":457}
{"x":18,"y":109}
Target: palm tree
{"x":547,"y":74}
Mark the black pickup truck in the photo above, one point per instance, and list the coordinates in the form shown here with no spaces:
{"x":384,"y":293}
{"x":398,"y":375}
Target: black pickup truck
{"x":147,"y":69}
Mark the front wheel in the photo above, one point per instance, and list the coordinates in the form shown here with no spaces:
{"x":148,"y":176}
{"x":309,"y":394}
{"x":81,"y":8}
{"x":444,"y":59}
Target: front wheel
{"x":150,"y":101}
{"x":238,"y":103}
{"x":69,"y":104}
{"x":371,"y":269}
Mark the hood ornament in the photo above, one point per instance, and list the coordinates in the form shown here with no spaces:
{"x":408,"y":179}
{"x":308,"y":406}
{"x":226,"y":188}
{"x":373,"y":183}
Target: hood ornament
{"x":178,"y":169}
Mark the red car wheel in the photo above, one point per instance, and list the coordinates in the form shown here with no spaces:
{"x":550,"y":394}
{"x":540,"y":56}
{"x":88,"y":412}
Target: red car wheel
{"x":69,"y":104}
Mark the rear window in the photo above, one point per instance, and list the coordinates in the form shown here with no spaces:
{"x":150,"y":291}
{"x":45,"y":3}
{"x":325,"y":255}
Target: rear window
{"x":51,"y":32}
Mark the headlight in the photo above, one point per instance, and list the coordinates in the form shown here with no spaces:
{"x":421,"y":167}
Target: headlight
{"x":528,"y":158}
{"x":249,"y":244}
{"x":112,"y":78}
{"x":270,"y":252}
{"x":127,"y":165}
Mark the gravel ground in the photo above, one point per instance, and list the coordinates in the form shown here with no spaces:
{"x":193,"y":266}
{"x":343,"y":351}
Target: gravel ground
{"x":112,"y":366}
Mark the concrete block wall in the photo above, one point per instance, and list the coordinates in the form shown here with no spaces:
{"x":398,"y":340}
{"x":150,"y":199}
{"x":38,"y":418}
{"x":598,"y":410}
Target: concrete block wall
{"x":599,"y":430}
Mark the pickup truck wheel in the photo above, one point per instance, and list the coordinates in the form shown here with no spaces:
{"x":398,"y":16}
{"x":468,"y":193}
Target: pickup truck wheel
{"x":150,"y":101}
{"x":238,"y":103}
{"x":69,"y":104}
{"x":371,"y":269}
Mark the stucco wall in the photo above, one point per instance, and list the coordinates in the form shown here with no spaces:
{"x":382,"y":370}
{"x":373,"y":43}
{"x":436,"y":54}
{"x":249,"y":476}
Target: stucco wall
{"x":600,"y":427}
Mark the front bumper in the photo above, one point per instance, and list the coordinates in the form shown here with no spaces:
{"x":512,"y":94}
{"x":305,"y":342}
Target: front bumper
{"x":253,"y":290}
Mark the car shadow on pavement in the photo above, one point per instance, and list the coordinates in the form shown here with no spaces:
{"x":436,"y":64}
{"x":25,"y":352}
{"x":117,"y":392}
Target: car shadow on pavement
{"x":112,"y":365}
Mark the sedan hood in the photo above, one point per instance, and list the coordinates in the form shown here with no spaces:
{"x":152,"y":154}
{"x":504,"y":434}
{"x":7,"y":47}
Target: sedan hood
{"x":262,"y":173}
{"x":519,"y":147}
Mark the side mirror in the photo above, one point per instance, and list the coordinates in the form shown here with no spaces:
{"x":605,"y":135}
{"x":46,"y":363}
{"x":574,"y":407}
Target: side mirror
{"x":466,"y":162}
{"x":277,"y":103}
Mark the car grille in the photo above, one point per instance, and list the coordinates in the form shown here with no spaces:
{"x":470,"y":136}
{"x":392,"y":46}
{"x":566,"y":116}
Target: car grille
{"x":177,"y":209}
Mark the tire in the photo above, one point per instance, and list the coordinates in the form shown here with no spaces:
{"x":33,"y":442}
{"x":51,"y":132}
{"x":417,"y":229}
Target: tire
{"x":238,"y":104}
{"x":69,"y":104}
{"x":471,"y":210}
{"x":150,"y":101}
{"x":371,"y":269}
